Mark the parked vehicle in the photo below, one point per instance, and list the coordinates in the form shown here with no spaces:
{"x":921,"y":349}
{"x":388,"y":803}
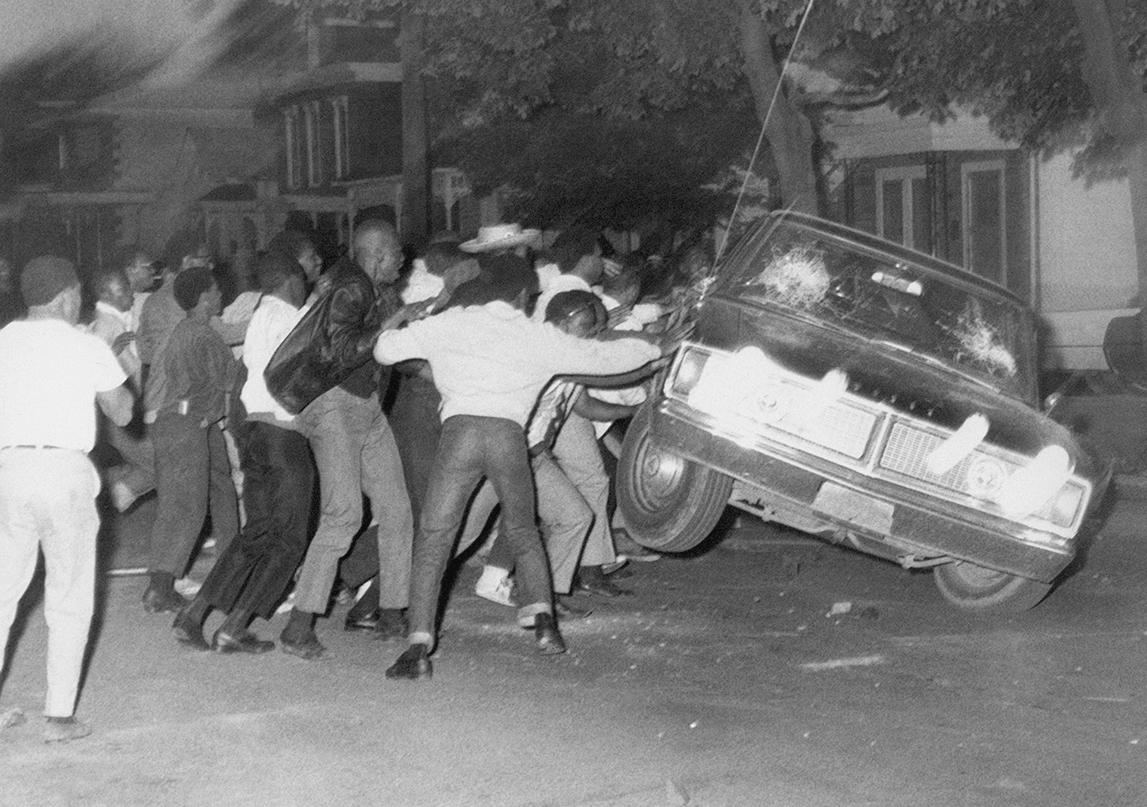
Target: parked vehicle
{"x":870,"y":395}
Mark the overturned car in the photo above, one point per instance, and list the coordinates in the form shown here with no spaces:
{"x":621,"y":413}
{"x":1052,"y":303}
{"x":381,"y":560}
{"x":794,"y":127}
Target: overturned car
{"x":873,"y":396}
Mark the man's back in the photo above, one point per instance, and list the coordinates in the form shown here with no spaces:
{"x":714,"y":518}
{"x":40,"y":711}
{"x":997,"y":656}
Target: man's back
{"x":491,"y":360}
{"x":50,"y":373}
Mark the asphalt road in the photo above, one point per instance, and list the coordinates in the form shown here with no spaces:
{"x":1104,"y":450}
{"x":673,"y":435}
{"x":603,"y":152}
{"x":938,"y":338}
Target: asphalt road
{"x":725,"y":680}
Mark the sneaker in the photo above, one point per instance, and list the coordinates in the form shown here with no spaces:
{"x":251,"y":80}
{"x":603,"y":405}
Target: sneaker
{"x":187,"y":586}
{"x":629,"y":550}
{"x":615,"y":567}
{"x":287,"y":605}
{"x":123,"y":497}
{"x":495,"y":585}
{"x":10,"y":718}
{"x":65,"y":729}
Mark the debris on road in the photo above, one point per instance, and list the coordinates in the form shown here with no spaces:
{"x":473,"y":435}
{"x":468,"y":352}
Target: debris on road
{"x":836,"y":664}
{"x":839,"y":608}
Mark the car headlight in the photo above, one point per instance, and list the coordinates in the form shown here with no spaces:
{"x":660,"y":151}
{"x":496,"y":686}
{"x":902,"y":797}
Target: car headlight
{"x":1064,"y":506}
{"x":688,"y":372}
{"x":986,"y":476}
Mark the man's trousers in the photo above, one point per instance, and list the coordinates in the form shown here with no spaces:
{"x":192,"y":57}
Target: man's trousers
{"x":47,"y":502}
{"x":355,"y":453}
{"x":279,"y":477}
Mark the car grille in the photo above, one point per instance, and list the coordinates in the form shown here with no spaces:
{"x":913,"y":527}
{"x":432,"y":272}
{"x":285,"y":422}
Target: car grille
{"x":839,"y":428}
{"x":906,"y":452}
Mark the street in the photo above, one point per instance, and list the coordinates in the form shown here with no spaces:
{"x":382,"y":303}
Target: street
{"x":726,"y":680}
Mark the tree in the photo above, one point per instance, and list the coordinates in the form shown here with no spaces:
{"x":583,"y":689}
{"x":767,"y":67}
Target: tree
{"x":1117,"y":90}
{"x":501,"y":61}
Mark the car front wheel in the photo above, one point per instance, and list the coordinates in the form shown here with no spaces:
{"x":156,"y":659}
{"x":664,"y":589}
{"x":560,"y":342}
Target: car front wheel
{"x":667,"y":502}
{"x":985,"y":591}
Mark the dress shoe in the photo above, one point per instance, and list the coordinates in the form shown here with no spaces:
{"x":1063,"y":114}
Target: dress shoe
{"x":391,"y":624}
{"x":308,"y":648}
{"x":562,"y":608}
{"x":188,"y":633}
{"x":592,"y":580}
{"x":414,"y":664}
{"x":546,"y":634}
{"x":567,"y":610}
{"x":361,"y":624}
{"x":158,"y":601}
{"x":245,"y":642}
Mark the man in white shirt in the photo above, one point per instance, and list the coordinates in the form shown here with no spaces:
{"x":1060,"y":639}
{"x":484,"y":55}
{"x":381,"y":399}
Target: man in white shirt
{"x":51,"y":376}
{"x":490,"y":362}
{"x":252,"y":574}
{"x":577,"y":255}
{"x":140,"y":270}
{"x":113,"y":324}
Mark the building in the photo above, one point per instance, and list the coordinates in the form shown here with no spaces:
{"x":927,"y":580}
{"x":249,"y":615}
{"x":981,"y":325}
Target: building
{"x":957,"y":191}
{"x":314,"y":139}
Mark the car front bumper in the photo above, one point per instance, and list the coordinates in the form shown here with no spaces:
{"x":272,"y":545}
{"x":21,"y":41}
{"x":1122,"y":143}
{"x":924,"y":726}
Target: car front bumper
{"x":907,"y":521}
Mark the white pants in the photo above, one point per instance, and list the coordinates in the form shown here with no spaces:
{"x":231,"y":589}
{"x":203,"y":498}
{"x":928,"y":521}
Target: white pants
{"x":47,"y":502}
{"x":578,"y":456}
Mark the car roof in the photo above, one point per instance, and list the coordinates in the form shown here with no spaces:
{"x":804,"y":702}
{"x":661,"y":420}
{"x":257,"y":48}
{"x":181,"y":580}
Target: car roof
{"x":897,"y":252}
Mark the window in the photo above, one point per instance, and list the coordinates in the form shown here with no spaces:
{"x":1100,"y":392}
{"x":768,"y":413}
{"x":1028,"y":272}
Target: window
{"x":341,"y":137}
{"x":294,"y":147}
{"x":903,"y":210}
{"x":312,"y":120}
{"x":985,"y":245}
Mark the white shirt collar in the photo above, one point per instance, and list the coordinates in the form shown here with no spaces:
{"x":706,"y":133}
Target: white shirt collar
{"x":112,"y":311}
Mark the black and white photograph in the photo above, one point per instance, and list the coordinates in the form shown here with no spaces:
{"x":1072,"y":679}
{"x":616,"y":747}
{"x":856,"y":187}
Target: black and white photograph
{"x":573,"y":403}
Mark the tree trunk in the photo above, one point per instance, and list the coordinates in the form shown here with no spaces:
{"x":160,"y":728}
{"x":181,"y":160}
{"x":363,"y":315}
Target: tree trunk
{"x":415,"y":169}
{"x":1122,"y":106}
{"x":788,"y":130}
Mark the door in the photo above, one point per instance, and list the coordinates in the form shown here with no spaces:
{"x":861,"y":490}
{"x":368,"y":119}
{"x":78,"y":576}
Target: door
{"x":903,"y":210}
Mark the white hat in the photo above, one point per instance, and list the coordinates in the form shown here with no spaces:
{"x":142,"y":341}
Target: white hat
{"x":499,"y":236}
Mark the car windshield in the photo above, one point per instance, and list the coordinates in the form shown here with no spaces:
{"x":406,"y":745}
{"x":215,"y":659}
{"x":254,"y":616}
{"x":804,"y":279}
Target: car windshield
{"x":910,"y":306}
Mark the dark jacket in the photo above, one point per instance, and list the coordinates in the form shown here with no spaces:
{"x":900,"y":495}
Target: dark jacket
{"x":332,"y":344}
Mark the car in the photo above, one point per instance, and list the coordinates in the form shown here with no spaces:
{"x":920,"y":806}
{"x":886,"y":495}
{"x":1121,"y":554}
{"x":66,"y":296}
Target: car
{"x":872,"y":396}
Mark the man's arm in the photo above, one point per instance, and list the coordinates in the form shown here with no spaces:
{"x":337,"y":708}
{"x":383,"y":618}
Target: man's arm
{"x":573,"y":356}
{"x":116,"y":404}
{"x":591,"y":408}
{"x":232,"y":332}
{"x":620,"y":380}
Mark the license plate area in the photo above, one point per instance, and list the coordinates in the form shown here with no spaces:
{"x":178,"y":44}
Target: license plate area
{"x":853,"y":507}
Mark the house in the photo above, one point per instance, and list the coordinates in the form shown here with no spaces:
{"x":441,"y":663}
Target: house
{"x":342,"y":134}
{"x":957,"y":191}
{"x":232,"y":155}
{"x":129,"y":168}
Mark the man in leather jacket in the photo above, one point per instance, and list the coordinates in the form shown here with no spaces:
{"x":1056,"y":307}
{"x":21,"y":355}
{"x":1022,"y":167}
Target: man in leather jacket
{"x":354,"y":447}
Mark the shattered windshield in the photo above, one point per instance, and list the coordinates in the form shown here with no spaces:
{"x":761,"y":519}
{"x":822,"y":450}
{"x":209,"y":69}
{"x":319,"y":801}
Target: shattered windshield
{"x":912,"y":307}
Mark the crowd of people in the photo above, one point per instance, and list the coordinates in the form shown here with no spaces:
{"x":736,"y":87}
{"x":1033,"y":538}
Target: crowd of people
{"x":337,"y":433}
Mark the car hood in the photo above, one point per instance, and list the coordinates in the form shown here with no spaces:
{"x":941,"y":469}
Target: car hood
{"x":881,"y":372}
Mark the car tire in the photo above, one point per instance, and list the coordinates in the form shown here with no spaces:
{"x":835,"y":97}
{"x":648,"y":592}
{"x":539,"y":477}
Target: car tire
{"x":667,"y":502}
{"x":982,"y":591}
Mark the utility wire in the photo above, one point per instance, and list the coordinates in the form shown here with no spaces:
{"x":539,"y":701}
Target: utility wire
{"x":761,"y":136}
